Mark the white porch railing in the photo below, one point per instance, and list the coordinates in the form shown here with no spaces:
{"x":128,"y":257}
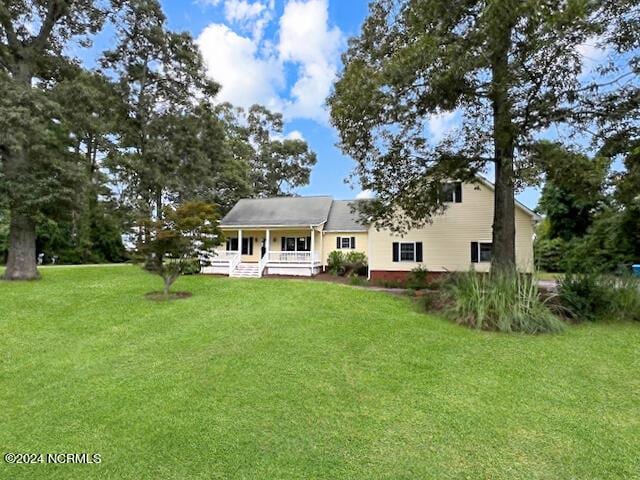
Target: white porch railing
{"x":293,"y":257}
{"x":223,"y":256}
{"x":262,"y":263}
{"x":233,"y":262}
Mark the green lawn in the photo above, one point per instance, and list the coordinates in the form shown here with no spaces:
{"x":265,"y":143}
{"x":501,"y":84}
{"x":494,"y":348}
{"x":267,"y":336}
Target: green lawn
{"x":298,"y":379}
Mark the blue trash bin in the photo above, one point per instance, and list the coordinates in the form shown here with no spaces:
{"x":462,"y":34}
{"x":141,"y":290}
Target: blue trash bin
{"x":636,"y":270}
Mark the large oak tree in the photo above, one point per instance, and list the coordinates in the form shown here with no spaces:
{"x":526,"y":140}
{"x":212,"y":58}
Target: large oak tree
{"x":509,"y":68}
{"x":34,"y":36}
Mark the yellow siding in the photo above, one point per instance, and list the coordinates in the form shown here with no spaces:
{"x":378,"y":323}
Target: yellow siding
{"x":446,"y":241}
{"x":329,"y":243}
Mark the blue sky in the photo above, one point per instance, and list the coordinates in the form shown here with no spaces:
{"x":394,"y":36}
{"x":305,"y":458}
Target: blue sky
{"x":285,"y":54}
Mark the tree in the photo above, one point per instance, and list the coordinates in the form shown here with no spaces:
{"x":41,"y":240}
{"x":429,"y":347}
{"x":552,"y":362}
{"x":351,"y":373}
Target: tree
{"x":161,"y":77}
{"x":31,"y":143}
{"x":92,"y":226}
{"x":574,"y":190}
{"x":509,"y":68}
{"x":276,"y":165}
{"x":179,"y":237}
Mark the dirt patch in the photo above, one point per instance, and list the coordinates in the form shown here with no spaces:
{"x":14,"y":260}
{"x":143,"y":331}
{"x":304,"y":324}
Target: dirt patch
{"x":159,"y":296}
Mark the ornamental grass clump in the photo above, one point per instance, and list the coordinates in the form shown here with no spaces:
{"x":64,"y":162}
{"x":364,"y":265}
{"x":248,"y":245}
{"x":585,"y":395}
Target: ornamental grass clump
{"x":502,"y":302}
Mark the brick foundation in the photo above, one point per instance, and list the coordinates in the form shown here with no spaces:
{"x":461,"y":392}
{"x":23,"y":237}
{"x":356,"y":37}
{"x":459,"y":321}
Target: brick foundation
{"x":399,"y":275}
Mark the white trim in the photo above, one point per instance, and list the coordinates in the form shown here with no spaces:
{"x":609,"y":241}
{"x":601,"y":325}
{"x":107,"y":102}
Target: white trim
{"x":264,"y":227}
{"x":479,"y":242}
{"x":400,"y":252}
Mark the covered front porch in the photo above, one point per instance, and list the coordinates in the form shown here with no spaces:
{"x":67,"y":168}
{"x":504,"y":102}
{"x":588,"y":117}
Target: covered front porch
{"x":256,"y":252}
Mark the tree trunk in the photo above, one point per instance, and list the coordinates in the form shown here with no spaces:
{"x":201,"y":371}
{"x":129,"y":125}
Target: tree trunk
{"x":21,"y":264}
{"x":504,"y":226}
{"x":168,"y":281}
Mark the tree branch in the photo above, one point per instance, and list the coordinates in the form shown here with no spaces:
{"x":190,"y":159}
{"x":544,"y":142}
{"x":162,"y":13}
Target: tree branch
{"x":5,"y":21}
{"x":55,"y":11}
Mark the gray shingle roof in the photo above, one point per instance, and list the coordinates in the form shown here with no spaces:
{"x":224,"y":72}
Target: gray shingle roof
{"x":341,"y":219}
{"x":278,"y":211}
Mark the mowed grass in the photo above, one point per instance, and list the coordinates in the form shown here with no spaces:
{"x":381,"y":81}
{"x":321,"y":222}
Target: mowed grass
{"x":300,"y":379}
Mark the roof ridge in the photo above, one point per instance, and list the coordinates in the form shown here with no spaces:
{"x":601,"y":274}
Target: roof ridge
{"x":286,"y":196}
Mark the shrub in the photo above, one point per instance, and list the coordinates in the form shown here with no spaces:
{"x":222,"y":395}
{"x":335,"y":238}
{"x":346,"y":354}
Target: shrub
{"x":550,"y":254}
{"x":589,"y":296}
{"x":585,"y":296}
{"x":192,"y":267}
{"x":418,"y":278}
{"x":341,"y":264}
{"x":507,"y":303}
{"x":626,"y":299}
{"x":336,"y":263}
{"x":355,"y":262}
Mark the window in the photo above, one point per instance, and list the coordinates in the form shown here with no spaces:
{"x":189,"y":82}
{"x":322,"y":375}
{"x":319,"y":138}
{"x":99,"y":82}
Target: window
{"x":247,"y":245}
{"x":481,"y":252}
{"x":452,"y":192}
{"x":289,"y":244}
{"x":485,"y":252}
{"x":302,"y":245}
{"x":345,"y":242}
{"x":296,"y":244}
{"x":232,"y":244}
{"x":407,"y":251}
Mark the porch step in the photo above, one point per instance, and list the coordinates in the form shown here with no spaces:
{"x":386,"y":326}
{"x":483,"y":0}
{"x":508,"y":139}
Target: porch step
{"x":246,"y":270}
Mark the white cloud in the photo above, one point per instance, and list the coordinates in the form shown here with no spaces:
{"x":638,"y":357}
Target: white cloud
{"x":365,"y":194}
{"x":441,"y":124}
{"x":241,"y":10}
{"x":307,"y":41}
{"x":592,"y":55}
{"x":234,"y":61}
{"x":295,"y":135}
{"x":252,"y":70}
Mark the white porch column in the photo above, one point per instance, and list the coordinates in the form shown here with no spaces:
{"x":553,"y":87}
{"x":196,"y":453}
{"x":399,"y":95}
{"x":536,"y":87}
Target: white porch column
{"x":322,"y":250}
{"x":313,"y":246}
{"x":240,"y":243}
{"x":267,"y":243}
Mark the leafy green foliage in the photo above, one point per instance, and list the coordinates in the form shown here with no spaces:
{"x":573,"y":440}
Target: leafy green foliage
{"x":506,"y":68}
{"x":275,"y":165}
{"x":591,"y":296}
{"x":336,"y":263}
{"x":350,"y":263}
{"x":418,"y":278}
{"x":183,"y":233}
{"x":506,"y":303}
{"x":574,"y":189}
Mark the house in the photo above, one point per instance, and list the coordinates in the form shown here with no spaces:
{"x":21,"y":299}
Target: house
{"x":295,"y":235}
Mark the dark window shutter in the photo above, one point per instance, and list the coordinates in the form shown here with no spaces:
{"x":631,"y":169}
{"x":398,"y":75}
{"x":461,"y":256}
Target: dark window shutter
{"x":353,"y":242}
{"x":418,"y":251}
{"x":308,"y":244}
{"x":282,"y":244}
{"x":228,"y":246}
{"x":458,"y":192}
{"x":338,"y":244}
{"x":396,"y":252}
{"x":250,"y":240}
{"x":474,"y":252}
